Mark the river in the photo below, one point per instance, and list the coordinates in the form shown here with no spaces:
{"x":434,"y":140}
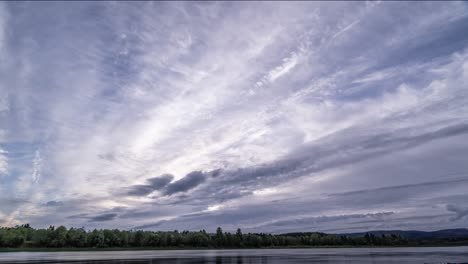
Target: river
{"x":310,"y":255}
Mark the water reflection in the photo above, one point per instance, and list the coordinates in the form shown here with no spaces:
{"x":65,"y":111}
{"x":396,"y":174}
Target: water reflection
{"x":201,"y":260}
{"x":276,"y":256}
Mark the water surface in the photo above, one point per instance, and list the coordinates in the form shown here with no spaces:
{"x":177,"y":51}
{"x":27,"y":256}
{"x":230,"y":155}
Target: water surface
{"x":310,"y":255}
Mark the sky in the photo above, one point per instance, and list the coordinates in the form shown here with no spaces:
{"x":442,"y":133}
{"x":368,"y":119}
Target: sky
{"x":268,"y":116}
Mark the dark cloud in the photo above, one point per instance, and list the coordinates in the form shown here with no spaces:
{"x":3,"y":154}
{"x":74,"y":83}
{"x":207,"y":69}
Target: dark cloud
{"x":103,"y":217}
{"x":152,"y":225}
{"x":137,"y":214}
{"x":412,"y":195}
{"x":159,"y":182}
{"x":153,"y":184}
{"x":163,"y":183}
{"x":95,"y":218}
{"x":307,"y":222}
{"x":139,"y":190}
{"x":392,"y":222}
{"x":149,"y":212}
{"x":460,"y":212}
{"x":190,"y":181}
{"x":83,"y":215}
{"x":54,"y":203}
{"x":108,"y":157}
{"x":215,"y":173}
{"x":13,"y":201}
{"x":402,"y":188}
{"x":8,"y":205}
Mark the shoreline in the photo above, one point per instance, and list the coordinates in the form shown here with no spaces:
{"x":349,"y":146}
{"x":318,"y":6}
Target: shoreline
{"x":9,"y":250}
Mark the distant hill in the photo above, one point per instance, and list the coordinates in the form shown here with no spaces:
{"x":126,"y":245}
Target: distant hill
{"x":410,"y":234}
{"x":418,"y":235}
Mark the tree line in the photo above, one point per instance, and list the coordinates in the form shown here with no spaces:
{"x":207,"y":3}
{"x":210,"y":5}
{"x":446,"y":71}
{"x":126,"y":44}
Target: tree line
{"x":60,"y":237}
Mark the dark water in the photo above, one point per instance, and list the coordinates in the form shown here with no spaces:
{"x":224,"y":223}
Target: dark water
{"x":318,"y":255}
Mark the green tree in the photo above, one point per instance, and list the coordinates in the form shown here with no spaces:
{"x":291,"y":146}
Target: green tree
{"x":76,"y":237}
{"x":219,"y":237}
{"x":96,"y":238}
{"x":12,"y":238}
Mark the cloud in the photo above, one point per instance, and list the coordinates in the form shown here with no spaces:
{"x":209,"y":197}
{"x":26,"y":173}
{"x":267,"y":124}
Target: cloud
{"x":9,"y":205}
{"x":153,"y":184}
{"x":13,"y":201}
{"x":460,"y":212}
{"x":103,"y":217}
{"x":3,"y":163}
{"x":346,"y":28}
{"x":375,"y":76}
{"x":190,"y":181}
{"x":152,"y":225}
{"x":95,"y":218}
{"x":308,"y":222}
{"x":161,"y":181}
{"x":4,"y":17}
{"x":54,"y":203}
{"x":3,"y":102}
{"x":288,"y":64}
{"x":37,"y":164}
{"x":140,"y":190}
{"x":404,"y":188}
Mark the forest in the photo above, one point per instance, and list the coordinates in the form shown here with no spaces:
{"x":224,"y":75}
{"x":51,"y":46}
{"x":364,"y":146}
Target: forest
{"x":24,"y":236}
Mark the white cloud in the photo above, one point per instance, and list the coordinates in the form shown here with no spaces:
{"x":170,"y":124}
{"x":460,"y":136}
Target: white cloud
{"x":375,"y":76}
{"x":265,"y":192}
{"x":214,"y":208}
{"x":343,"y":30}
{"x":3,"y":163}
{"x":4,"y":16}
{"x":288,"y":64}
{"x":37,"y":164}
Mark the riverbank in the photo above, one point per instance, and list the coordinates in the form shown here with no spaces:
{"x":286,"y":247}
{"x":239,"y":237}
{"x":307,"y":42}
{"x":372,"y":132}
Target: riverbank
{"x":455,"y":244}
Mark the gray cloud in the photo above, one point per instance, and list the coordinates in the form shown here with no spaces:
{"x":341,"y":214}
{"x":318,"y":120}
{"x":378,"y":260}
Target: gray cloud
{"x":103,"y":217}
{"x":13,"y":201}
{"x":154,"y":184}
{"x":190,"y":181}
{"x":152,"y":225}
{"x":139,"y":190}
{"x":54,"y":203}
{"x":307,"y":222}
{"x":161,"y":181}
{"x":94,"y":218}
{"x":460,"y":212}
{"x":82,"y":215}
{"x":108,"y":157}
{"x":401,"y":191}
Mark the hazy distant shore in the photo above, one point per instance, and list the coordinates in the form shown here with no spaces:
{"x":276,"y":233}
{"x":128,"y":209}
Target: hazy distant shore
{"x":4,"y":250}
